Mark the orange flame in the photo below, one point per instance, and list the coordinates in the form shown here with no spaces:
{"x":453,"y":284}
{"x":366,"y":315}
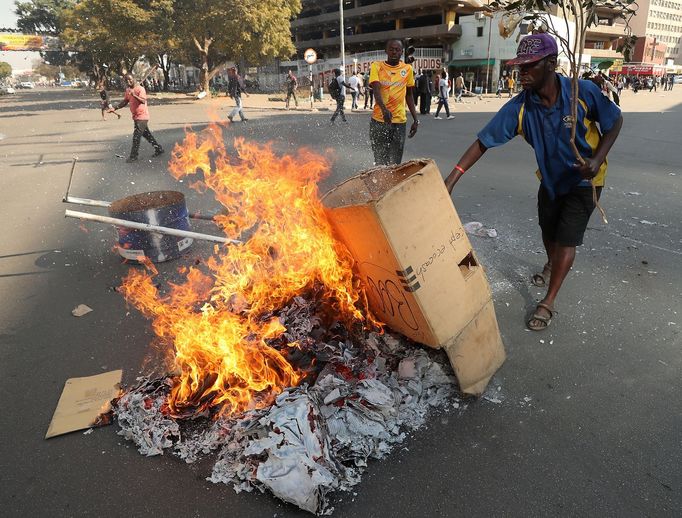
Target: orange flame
{"x":219,"y":322}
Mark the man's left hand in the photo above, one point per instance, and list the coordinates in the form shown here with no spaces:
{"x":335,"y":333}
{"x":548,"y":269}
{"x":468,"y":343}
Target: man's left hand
{"x":413,"y":129}
{"x":589,"y":169}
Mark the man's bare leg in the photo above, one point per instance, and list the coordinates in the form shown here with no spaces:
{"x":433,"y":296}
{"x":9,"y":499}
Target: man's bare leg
{"x":561,"y":259}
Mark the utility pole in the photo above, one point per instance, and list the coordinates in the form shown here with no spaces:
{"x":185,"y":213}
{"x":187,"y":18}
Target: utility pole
{"x":343,"y":41}
{"x":487,"y":61}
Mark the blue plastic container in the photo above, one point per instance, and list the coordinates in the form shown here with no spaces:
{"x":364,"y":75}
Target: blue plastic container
{"x":163,"y":208}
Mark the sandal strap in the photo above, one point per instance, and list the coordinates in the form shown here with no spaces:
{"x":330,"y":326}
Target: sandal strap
{"x":551,"y":310}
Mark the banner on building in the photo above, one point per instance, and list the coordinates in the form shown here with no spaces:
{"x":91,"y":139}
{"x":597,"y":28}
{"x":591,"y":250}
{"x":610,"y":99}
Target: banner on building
{"x":28,"y":42}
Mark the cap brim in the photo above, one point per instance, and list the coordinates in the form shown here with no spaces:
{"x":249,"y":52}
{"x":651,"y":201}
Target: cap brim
{"x":526,"y":59}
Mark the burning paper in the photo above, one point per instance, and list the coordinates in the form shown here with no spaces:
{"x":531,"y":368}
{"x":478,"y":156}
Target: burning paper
{"x":276,"y":364}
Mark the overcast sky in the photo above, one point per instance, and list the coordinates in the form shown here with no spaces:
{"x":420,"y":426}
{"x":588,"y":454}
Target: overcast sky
{"x":7,"y":17}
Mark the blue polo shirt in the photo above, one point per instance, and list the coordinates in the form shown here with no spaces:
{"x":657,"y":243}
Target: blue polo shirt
{"x":548,"y":131}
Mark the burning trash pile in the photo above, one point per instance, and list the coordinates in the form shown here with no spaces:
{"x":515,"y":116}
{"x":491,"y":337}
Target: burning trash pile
{"x":276,"y":365}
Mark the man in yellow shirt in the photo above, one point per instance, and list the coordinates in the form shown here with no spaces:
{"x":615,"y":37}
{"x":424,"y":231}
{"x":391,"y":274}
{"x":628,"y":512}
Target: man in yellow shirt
{"x":392,"y":82}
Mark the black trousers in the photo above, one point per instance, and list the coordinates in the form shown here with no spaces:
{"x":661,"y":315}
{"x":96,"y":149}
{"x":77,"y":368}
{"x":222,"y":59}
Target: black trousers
{"x":388,"y":142}
{"x":424,"y":103}
{"x":339,"y":109}
{"x":142,"y":130}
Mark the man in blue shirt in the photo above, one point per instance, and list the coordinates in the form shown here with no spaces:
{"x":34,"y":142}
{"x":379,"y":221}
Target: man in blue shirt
{"x":541,"y":113}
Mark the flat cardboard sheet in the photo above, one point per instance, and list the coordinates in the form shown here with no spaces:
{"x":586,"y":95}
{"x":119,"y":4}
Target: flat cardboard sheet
{"x":82,"y":401}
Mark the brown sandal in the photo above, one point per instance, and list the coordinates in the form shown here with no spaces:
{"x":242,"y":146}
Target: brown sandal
{"x":541,"y":279}
{"x":542,"y":322}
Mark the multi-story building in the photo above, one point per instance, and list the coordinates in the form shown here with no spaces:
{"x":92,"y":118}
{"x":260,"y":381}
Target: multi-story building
{"x":370,"y":23}
{"x":662,"y":20}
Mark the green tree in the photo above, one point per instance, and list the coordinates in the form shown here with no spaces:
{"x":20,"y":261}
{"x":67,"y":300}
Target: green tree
{"x":114,"y":34}
{"x":5,"y":70}
{"x":43,"y":16}
{"x":214,"y":32}
{"x":40,"y":15}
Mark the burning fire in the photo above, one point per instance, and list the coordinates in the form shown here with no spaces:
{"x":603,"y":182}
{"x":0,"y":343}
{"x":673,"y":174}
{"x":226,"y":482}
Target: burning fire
{"x":220,"y":321}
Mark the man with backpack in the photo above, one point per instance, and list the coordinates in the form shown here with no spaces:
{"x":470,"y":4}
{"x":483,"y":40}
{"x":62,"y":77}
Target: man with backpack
{"x":541,"y":114}
{"x":337,"y":91}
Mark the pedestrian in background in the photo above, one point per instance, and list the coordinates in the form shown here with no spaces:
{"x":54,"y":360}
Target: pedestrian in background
{"x":105,"y":102}
{"x":292,"y":85}
{"x":393,"y":84}
{"x":459,"y":88}
{"x":136,"y":97}
{"x":512,"y":83}
{"x":369,"y":93}
{"x":354,"y":84}
{"x":338,"y":93}
{"x":235,"y":88}
{"x":443,"y":98}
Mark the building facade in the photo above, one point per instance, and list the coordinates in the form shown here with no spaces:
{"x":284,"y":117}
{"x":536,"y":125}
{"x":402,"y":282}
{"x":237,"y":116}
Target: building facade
{"x":369,"y":24}
{"x":661,"y":20}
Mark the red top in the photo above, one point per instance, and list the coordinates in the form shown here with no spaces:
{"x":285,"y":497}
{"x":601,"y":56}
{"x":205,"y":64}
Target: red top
{"x":138,"y":109}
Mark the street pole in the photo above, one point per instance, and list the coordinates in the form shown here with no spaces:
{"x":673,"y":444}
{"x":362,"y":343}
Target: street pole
{"x":310,"y":69}
{"x":487,"y":61}
{"x":343,"y":41}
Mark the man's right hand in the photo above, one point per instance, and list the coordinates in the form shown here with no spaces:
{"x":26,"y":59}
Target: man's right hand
{"x":388,"y":116}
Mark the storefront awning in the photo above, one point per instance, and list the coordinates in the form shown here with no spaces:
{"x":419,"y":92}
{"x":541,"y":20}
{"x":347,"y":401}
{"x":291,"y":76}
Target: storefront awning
{"x":471,"y":62}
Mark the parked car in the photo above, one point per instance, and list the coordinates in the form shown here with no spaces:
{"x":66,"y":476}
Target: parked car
{"x":6,"y":90}
{"x":677,"y":80}
{"x":26,"y":84}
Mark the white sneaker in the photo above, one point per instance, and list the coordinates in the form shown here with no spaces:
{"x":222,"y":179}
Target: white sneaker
{"x":439,"y":118}
{"x":451,"y":117}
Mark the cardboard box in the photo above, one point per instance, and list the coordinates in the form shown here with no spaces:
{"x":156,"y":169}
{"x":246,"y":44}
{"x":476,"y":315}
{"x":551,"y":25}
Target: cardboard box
{"x":421,"y":275}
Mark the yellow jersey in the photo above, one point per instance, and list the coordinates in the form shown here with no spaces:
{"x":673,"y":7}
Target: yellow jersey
{"x":394,"y":81}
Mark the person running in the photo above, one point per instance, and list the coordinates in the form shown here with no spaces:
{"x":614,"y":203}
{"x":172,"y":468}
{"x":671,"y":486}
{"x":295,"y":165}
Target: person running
{"x":443,"y":97}
{"x":136,"y":97}
{"x":105,"y":102}
{"x":393,"y":83}
{"x":235,"y":89}
{"x":541,"y":113}
{"x":292,"y":85}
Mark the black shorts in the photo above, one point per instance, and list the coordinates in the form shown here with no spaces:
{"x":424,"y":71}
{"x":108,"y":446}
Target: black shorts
{"x":564,"y":219}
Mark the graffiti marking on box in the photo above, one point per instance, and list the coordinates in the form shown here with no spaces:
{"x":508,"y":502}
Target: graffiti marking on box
{"x":452,"y":240}
{"x":391,"y":299}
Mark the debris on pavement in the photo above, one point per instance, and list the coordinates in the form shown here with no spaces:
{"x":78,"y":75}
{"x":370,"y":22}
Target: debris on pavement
{"x":81,"y":310}
{"x":83,"y":403}
{"x":476,"y":228}
{"x":315,"y":439}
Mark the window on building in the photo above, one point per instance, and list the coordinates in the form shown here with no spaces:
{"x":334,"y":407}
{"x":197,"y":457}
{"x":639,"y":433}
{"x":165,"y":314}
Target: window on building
{"x":479,"y":31}
{"x":598,"y":44}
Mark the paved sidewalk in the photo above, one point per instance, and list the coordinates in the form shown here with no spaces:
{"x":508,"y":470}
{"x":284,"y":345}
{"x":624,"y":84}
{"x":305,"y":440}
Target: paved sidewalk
{"x":642,"y":101}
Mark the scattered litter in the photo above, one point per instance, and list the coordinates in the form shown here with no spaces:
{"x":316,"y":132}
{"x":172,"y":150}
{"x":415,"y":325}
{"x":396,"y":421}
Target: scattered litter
{"x":119,"y":156}
{"x":315,"y":438}
{"x":476,"y":228}
{"x":634,"y":193}
{"x":81,"y":310}
{"x":646,"y":222}
{"x":88,"y":431}
{"x":551,"y":342}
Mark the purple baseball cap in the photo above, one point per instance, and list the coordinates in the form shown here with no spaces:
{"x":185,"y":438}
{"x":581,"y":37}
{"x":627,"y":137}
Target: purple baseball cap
{"x":534,"y":47}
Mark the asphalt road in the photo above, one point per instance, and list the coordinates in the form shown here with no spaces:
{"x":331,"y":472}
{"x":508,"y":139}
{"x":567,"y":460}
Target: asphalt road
{"x":590,"y":419}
